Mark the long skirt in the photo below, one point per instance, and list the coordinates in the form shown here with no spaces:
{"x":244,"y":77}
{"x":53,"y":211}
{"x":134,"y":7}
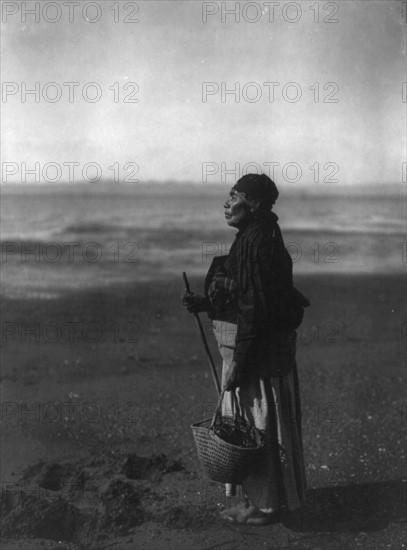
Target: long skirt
{"x":273,"y":405}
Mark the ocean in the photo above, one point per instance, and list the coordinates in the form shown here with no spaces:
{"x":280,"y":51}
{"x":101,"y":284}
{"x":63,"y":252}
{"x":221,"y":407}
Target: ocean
{"x":74,"y":236}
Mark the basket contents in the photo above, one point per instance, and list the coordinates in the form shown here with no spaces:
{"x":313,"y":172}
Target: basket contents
{"x":235,"y":433}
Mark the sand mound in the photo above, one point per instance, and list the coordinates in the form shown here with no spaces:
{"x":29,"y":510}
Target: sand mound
{"x":122,"y":507}
{"x":89,"y":500}
{"x":42,"y":518}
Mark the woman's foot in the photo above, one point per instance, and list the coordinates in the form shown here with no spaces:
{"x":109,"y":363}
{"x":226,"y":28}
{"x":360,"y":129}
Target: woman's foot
{"x":247,"y":514}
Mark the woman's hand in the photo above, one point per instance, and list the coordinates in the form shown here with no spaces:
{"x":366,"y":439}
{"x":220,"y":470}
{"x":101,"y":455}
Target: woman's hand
{"x":194,"y":303}
{"x":233,"y":377}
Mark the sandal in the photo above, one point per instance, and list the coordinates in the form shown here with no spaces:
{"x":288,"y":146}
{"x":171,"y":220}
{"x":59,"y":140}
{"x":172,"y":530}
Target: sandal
{"x":244,"y":514}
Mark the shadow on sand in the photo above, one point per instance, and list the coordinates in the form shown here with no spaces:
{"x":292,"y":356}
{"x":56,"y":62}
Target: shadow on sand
{"x":353,"y":508}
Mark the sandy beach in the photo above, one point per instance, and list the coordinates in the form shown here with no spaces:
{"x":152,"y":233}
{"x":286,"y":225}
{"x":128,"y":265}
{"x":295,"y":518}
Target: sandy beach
{"x":100,"y":388}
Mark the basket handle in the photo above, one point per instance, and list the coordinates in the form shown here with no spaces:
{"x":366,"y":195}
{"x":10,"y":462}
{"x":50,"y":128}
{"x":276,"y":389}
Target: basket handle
{"x":218,"y":408}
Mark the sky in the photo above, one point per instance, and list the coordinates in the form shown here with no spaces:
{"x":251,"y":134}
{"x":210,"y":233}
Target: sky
{"x":318,"y":91}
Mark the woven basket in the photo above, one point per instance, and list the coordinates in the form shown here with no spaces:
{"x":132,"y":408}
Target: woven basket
{"x":221,"y":460}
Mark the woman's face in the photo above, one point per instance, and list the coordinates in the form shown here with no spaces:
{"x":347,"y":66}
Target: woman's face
{"x":237,"y":210}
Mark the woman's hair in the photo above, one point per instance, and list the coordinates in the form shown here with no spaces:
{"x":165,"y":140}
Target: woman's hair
{"x":260,"y":193}
{"x":258,"y":187}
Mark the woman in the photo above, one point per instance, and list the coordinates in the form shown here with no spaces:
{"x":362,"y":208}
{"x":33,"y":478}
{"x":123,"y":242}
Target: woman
{"x":255,"y":309}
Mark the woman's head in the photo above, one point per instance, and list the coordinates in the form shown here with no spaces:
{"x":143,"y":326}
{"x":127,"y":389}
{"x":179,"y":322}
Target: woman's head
{"x":258,"y":187}
{"x":251,"y":197}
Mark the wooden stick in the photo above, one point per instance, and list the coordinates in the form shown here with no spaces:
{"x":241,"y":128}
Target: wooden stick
{"x":205,"y":343}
